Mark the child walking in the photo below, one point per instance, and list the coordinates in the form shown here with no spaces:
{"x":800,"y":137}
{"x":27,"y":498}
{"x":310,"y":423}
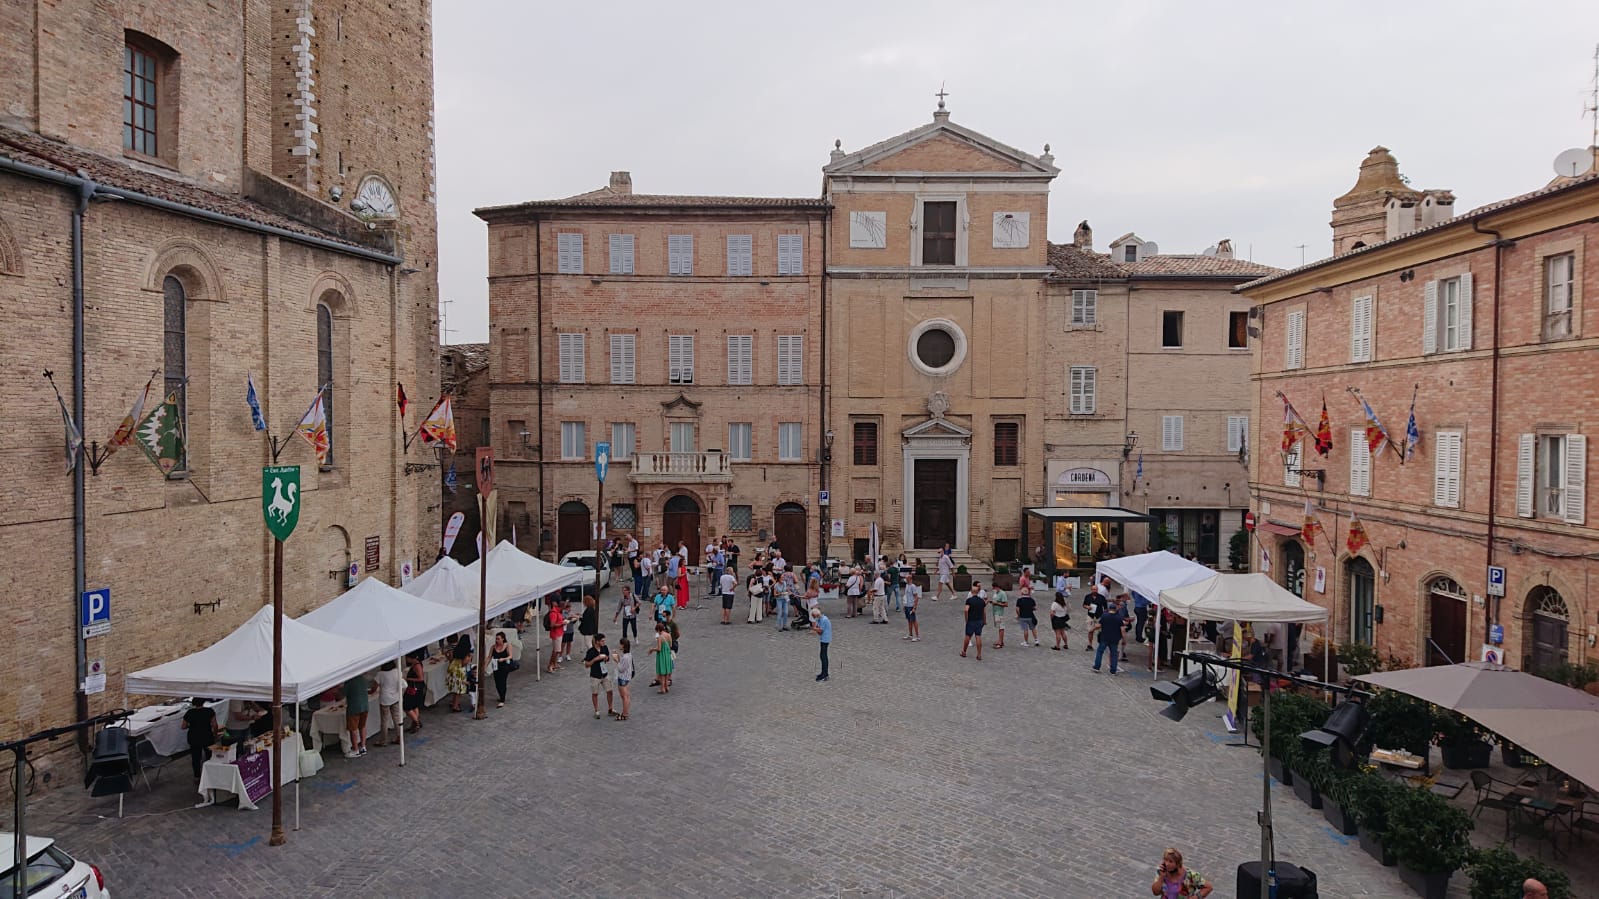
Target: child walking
{"x":911,"y":596}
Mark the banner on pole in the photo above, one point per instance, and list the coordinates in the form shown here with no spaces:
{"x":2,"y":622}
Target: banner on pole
{"x":452,"y":529}
{"x":280,"y":499}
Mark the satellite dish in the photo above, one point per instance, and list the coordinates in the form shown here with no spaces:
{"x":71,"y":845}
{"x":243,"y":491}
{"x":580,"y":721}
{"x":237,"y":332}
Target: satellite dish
{"x":1574,"y":163}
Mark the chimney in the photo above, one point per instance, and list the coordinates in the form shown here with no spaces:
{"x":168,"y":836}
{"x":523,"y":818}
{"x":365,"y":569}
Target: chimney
{"x":1224,"y":249}
{"x":1083,"y":237}
{"x":621,"y":183}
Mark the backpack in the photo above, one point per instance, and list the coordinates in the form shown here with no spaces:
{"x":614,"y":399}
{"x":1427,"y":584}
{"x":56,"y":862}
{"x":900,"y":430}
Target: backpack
{"x":549,"y":626}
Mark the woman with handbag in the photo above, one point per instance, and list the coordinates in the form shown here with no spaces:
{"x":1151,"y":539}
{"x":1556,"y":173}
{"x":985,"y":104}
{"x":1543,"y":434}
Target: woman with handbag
{"x":500,"y":663}
{"x":415,"y":691}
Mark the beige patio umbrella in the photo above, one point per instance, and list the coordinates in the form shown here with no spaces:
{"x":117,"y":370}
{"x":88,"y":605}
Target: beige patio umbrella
{"x":1552,"y":721}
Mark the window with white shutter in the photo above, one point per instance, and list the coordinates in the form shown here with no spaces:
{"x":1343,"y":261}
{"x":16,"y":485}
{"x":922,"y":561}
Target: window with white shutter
{"x":1085,"y":307}
{"x":680,"y":359}
{"x":621,"y":254}
{"x":623,"y":369}
{"x":791,"y":254}
{"x":571,"y":357}
{"x":1237,"y":433}
{"x":1557,"y":288}
{"x":1446,"y":451}
{"x":573,"y":445}
{"x":1526,"y":454}
{"x":1360,"y":329}
{"x":680,"y":254}
{"x":788,"y":441}
{"x":1562,"y":476}
{"x":681,"y":435}
{"x":569,"y":253}
{"x":1576,"y":479}
{"x":1291,"y":477}
{"x":1359,"y":463}
{"x":1171,"y":433}
{"x":740,"y":255}
{"x":1083,"y":394}
{"x":1446,"y":315}
{"x":1294,"y":330}
{"x":740,"y":359}
{"x":790,"y":359}
{"x":739,"y":441}
{"x":623,"y":440}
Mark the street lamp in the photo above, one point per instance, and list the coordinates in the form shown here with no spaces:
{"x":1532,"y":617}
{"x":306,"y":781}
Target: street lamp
{"x":1130,"y":441}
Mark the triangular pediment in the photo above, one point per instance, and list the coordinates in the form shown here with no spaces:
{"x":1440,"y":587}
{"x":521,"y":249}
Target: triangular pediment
{"x":940,"y":146}
{"x":681,"y":404}
{"x":935,"y":427}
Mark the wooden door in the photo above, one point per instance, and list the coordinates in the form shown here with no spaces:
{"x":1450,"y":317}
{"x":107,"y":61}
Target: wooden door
{"x":1448,"y":643}
{"x":1548,"y":643}
{"x":935,"y":503}
{"x":789,"y":530}
{"x":572,"y":528}
{"x":680,"y":520}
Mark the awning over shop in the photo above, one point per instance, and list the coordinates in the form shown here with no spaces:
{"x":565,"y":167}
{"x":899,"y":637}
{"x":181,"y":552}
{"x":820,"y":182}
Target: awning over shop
{"x":1281,"y":530}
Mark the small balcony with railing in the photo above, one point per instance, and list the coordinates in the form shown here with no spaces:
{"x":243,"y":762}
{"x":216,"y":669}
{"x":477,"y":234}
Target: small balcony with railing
{"x":681,"y":468}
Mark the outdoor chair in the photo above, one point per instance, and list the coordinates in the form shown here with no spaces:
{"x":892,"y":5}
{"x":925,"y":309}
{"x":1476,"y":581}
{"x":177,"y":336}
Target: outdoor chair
{"x":1587,"y":820}
{"x":148,"y":758}
{"x":1489,"y":795}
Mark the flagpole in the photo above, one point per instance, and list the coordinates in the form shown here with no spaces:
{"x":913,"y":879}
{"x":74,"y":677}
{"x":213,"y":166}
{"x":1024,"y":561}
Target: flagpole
{"x":278,"y":837}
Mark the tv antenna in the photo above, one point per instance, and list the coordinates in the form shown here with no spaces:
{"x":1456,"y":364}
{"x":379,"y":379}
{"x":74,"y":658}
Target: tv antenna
{"x":1592,"y":109}
{"x":444,"y":321}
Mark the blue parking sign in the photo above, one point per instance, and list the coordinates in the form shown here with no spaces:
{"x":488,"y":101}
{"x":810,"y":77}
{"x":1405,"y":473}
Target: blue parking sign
{"x":1496,"y":580}
{"x":94,"y":611}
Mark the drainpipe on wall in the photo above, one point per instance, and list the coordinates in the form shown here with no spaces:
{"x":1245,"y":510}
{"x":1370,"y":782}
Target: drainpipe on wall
{"x":1490,"y":612}
{"x":824,"y":513}
{"x":86,"y":192}
{"x":538,"y":371}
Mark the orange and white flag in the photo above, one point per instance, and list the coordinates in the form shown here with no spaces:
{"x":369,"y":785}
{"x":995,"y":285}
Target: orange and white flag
{"x":314,"y":428}
{"x":439,"y":426}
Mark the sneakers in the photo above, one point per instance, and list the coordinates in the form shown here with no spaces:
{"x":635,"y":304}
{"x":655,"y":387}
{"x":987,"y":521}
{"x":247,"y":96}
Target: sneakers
{"x":362,"y":752}
{"x":906,"y":637}
{"x":596,"y":713}
{"x":916,"y":639}
{"x":1024,"y":643}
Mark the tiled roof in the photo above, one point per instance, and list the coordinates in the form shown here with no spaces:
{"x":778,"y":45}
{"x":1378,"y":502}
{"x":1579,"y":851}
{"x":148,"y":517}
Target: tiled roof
{"x":1074,"y":264}
{"x":1554,"y":187}
{"x":474,"y":356}
{"x":1179,"y":265}
{"x":605,"y":197}
{"x":23,"y":146}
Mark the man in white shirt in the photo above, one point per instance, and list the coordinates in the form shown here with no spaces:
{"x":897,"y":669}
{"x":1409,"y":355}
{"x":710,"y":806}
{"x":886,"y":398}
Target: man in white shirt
{"x":778,"y":562}
{"x":728,"y":587}
{"x":879,"y":596}
{"x":646,"y":570}
{"x":852,"y":592}
{"x":946,"y":576}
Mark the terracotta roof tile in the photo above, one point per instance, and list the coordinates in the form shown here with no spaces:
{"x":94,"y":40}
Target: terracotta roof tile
{"x":605,"y":197}
{"x":474,"y":356}
{"x":1074,"y":264}
{"x":1178,"y":265}
{"x":23,"y":146}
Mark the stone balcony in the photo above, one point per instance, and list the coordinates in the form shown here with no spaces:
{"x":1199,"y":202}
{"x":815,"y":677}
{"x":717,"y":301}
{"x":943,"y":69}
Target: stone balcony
{"x":681,"y":468}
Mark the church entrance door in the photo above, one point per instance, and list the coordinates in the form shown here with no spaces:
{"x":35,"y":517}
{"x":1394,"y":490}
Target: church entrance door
{"x":935,"y":502}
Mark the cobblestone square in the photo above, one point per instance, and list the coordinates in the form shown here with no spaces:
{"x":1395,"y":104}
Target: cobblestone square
{"x":912,"y":772}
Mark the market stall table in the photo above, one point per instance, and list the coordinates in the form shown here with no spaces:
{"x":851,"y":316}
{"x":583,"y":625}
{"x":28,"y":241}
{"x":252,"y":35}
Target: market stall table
{"x":433,"y":671}
{"x":162,"y":725}
{"x":329,"y":719}
{"x":242,"y":776}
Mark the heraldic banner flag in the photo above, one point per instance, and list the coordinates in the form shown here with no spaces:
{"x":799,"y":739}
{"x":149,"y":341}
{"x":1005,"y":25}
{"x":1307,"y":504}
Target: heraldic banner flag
{"x":124,"y":432}
{"x":439,"y":426}
{"x":160,"y":434}
{"x":314,"y":428}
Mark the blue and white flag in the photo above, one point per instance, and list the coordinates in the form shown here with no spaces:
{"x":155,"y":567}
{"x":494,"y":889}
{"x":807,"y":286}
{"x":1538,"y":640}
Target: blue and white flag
{"x":1140,"y":475}
{"x":256,"y":418}
{"x":1412,"y":433}
{"x":451,"y":479}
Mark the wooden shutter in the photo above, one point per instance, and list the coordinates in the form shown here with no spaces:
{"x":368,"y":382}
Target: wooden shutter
{"x":865,"y":443}
{"x":1171,"y":433}
{"x":1359,"y":463}
{"x":1465,"y":312}
{"x":1360,"y":330}
{"x":1237,"y":427}
{"x":1082,"y":390}
{"x":790,"y":359}
{"x":1446,"y":469}
{"x":1526,"y":452}
{"x":790,"y":254}
{"x":1007,"y":442}
{"x":680,"y":359}
{"x":680,"y":254}
{"x":1294,"y":357}
{"x":621,"y":254}
{"x":740,"y":361}
{"x":1429,"y":317}
{"x":623,"y":370}
{"x":571,"y":353}
{"x":569,"y":253}
{"x":740,"y":254}
{"x":1291,"y":476}
{"x":1576,"y":479}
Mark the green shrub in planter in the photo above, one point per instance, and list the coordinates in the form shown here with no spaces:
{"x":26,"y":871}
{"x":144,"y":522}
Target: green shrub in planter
{"x":1291,"y":715}
{"x":1460,"y":741}
{"x":1398,"y":721}
{"x":1358,"y":659}
{"x":1499,"y":872}
{"x":1001,"y":568}
{"x":1369,"y":796}
{"x":1335,"y":805}
{"x":1427,"y":834}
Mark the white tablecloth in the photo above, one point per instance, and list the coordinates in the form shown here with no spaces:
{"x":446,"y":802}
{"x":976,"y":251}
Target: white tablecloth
{"x":219,"y":777}
{"x":163,"y":725}
{"x":330,"y":720}
{"x":433,"y":671}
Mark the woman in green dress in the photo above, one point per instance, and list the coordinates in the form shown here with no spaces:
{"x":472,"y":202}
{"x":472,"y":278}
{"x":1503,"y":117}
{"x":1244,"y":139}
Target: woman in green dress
{"x":663,"y":657}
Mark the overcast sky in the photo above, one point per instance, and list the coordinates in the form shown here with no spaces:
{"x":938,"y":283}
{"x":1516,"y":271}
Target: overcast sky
{"x":1186,"y":122}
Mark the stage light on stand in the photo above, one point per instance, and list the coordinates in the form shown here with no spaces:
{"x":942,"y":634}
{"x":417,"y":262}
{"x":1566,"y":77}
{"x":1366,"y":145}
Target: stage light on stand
{"x":1184,"y":693}
{"x":1341,"y":732}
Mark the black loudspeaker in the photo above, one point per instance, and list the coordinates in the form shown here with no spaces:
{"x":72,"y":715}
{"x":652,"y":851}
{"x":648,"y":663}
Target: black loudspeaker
{"x":111,"y":766}
{"x":1293,"y":882}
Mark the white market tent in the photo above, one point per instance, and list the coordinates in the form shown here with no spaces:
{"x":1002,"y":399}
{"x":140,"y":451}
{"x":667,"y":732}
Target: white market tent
{"x":524,"y":577}
{"x":375,"y":611}
{"x":1149,"y":573}
{"x":239,"y":666}
{"x":1240,"y":597}
{"x":442,"y":584}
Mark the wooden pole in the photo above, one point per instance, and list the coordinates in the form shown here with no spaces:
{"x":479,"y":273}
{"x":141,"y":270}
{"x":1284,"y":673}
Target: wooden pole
{"x":278,"y":836}
{"x":484,"y":511}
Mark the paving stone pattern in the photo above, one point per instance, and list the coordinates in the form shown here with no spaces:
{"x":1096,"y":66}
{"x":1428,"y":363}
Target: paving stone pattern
{"x":913,"y":772}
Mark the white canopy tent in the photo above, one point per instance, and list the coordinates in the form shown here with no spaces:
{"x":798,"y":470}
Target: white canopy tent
{"x":239,"y":666}
{"x":375,"y":611}
{"x":1149,"y":573}
{"x":1240,"y":597}
{"x":514,"y":578}
{"x":442,"y":583}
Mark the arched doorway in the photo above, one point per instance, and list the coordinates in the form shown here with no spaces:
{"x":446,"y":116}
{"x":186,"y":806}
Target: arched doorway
{"x":789,"y":529}
{"x":1548,"y":619}
{"x":1362,"y":581}
{"x":1294,"y":568}
{"x":572,"y":528}
{"x":1446,"y":609}
{"x":680,"y":521}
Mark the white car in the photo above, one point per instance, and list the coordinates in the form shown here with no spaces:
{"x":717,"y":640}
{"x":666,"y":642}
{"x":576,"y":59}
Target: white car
{"x":51,"y":873}
{"x":596,"y":577}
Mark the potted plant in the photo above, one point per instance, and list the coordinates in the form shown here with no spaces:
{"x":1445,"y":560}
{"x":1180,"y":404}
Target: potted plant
{"x":1335,"y":801}
{"x":1398,"y":721}
{"x":1368,"y":796}
{"x":1358,"y":659}
{"x":963,"y":581}
{"x":1430,"y":838}
{"x":1291,"y":715}
{"x":1515,"y":756}
{"x":1002,"y":576}
{"x":920,"y":576}
{"x":1500,"y":872}
{"x":1238,"y":551}
{"x":1460,"y":743}
{"x":1311,"y":772}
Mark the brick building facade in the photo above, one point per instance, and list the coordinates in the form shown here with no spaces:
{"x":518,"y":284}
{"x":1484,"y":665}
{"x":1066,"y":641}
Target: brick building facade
{"x":1480,"y":321}
{"x":257,"y":190}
